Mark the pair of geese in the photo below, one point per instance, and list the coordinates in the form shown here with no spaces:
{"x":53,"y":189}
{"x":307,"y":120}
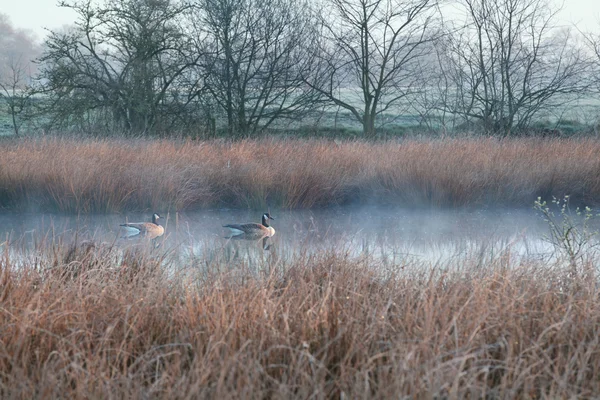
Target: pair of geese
{"x":153,"y":229}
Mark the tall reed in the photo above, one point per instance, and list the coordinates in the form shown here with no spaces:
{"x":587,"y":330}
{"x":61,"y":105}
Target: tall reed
{"x":108,"y":175}
{"x":89,"y":322}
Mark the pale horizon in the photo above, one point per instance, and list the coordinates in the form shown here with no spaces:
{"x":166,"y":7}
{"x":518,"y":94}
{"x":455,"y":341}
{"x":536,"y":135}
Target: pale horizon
{"x":39,"y":15}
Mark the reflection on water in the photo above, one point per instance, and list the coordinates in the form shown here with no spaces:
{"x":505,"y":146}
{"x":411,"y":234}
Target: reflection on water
{"x":393,"y":236}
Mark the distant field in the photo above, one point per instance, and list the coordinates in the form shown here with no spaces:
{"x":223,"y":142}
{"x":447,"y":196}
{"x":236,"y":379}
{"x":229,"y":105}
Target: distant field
{"x":81,"y":176}
{"x":400,"y":120}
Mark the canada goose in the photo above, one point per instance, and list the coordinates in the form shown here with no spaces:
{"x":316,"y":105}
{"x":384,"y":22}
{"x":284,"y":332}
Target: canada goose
{"x":253,"y":228}
{"x":151,"y":229}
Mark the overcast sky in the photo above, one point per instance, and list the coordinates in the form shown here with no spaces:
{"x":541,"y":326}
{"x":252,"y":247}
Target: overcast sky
{"x":39,"y":14}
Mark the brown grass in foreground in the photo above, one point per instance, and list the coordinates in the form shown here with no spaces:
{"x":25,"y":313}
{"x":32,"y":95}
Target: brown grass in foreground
{"x":79,"y":324}
{"x":71,"y":175}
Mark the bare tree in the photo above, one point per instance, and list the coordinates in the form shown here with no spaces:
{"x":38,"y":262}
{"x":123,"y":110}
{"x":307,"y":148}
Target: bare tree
{"x":508,"y":63}
{"x":592,"y":40}
{"x":369,"y":54}
{"x":18,"y":48}
{"x":435,"y":91}
{"x":14,"y":90}
{"x":122,"y":62}
{"x":254,"y":55}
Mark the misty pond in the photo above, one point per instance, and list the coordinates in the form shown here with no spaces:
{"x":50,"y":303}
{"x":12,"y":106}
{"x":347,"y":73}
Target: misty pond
{"x":394,"y":236}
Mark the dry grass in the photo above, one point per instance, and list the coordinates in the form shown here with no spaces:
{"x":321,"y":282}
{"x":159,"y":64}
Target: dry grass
{"x":84,"y":323}
{"x":71,"y":175}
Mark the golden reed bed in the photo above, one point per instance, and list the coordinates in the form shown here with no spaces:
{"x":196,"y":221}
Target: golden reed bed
{"x":82,"y":325}
{"x":70,"y":175}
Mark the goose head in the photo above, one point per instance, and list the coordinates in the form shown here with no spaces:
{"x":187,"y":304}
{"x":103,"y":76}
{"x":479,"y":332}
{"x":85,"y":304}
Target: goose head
{"x":265,"y":219}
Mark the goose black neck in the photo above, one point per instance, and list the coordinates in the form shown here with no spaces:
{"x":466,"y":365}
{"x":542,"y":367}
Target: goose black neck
{"x":265,"y":221}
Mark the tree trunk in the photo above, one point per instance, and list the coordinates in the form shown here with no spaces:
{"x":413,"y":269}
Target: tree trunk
{"x":369,"y":126}
{"x":15,"y":125}
{"x":242,"y":126}
{"x":13,"y":114}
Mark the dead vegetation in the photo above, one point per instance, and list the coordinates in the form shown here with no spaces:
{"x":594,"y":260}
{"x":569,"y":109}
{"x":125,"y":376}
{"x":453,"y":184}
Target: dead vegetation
{"x":327,"y":326}
{"x":69,"y":175}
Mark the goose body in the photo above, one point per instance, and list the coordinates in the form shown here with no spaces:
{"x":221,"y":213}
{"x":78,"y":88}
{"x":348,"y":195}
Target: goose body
{"x":254,"y":229}
{"x":152,"y":229}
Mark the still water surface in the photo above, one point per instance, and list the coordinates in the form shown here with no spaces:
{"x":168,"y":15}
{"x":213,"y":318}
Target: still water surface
{"x":394,"y":234}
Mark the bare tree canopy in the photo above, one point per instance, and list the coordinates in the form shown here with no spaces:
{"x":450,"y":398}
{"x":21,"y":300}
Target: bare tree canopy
{"x":369,"y":54}
{"x":121,"y":60}
{"x":508,"y":63}
{"x":592,"y":40}
{"x":159,"y":66}
{"x":254,"y":55}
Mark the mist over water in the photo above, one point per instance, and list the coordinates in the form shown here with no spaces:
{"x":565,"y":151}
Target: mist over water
{"x":394,"y":235}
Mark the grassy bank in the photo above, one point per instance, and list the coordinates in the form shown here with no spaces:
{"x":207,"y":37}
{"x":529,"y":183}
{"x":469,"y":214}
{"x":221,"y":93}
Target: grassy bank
{"x":69,"y":175}
{"x":85,"y":323}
